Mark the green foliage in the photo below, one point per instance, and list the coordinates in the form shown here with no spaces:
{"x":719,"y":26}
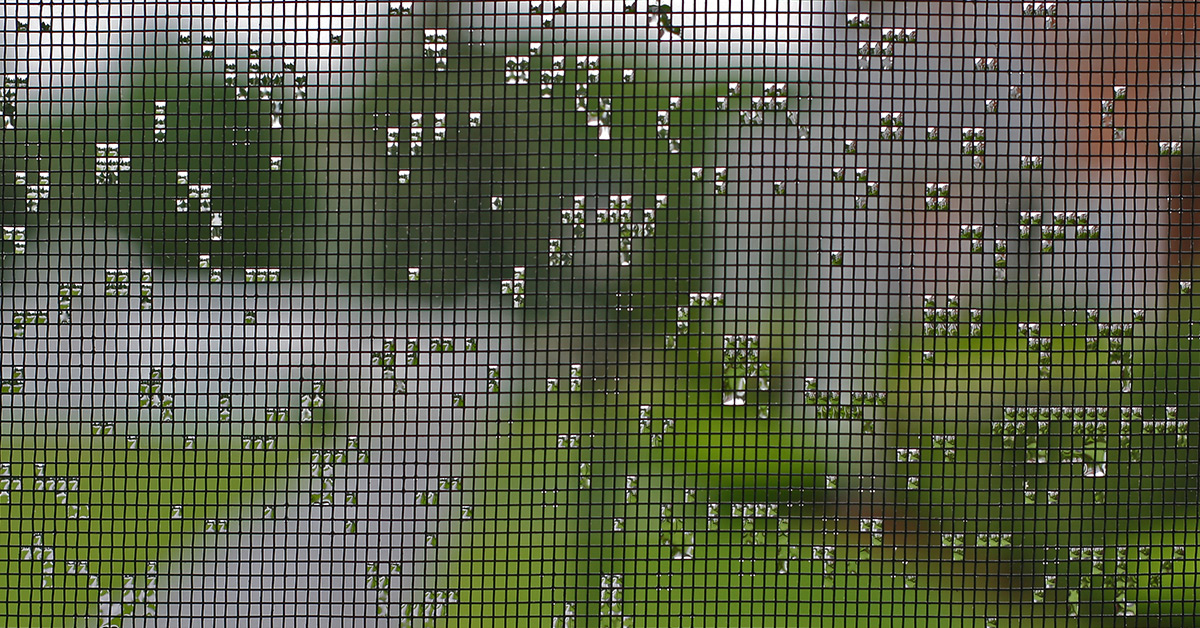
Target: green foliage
{"x":536,"y":154}
{"x":1068,"y":443}
{"x":584,"y":484}
{"x":222,"y":143}
{"x":83,"y":517}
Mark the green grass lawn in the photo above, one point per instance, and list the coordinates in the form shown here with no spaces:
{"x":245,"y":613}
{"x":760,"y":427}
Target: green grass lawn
{"x":82,"y":517}
{"x":706,"y":514}
{"x":709,"y":515}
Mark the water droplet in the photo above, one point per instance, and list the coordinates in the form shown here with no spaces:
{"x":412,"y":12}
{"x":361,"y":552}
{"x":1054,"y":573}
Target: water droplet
{"x":516,"y":70}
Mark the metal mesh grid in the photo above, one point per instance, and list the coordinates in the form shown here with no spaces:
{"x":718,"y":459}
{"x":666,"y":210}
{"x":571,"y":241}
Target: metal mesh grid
{"x":569,"y":314}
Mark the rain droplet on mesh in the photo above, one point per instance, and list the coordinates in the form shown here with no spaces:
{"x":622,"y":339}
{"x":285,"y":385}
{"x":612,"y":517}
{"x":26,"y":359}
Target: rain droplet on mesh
{"x":558,"y":257}
{"x":439,"y":126}
{"x":631,"y":488}
{"x":216,"y":225}
{"x":435,"y":41}
{"x":516,"y":70}
{"x":207,"y":45}
{"x":576,"y":377}
{"x":987,"y":63}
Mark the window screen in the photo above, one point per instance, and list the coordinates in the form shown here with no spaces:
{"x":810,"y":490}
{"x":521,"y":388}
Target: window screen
{"x":615,"y":314}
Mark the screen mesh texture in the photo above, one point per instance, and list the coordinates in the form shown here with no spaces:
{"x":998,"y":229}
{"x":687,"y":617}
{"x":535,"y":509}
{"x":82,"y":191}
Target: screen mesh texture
{"x":594,"y":313}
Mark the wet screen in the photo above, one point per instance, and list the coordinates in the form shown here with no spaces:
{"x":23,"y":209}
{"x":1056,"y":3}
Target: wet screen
{"x":611,"y":313}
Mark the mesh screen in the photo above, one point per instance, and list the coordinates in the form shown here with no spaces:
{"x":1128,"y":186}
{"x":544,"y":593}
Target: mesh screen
{"x":572,"y":314}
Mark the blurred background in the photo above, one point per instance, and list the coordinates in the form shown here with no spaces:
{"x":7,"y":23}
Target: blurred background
{"x":597,"y":314}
